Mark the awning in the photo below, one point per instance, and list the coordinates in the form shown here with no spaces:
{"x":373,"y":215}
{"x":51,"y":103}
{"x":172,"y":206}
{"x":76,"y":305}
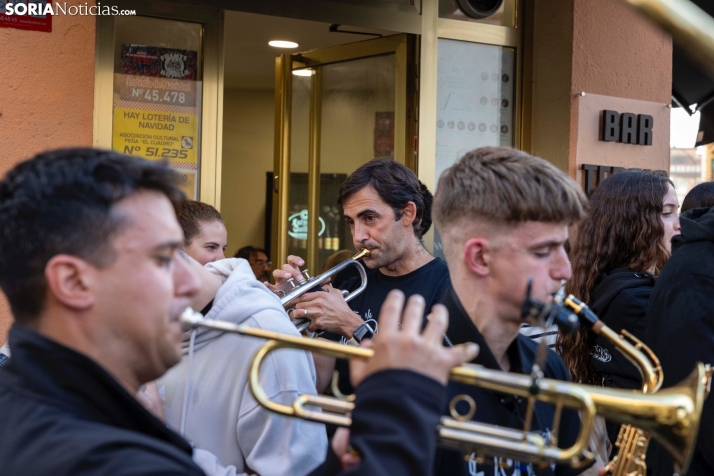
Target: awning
{"x":691,"y":85}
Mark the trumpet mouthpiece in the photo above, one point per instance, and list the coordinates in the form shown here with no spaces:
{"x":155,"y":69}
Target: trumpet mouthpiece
{"x":362,"y":254}
{"x":190,"y":319}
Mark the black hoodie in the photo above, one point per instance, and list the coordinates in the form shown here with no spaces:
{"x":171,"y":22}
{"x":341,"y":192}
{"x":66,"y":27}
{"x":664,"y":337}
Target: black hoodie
{"x":620,"y":300}
{"x":680,"y":325}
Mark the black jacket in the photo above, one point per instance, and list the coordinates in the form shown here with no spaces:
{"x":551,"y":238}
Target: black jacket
{"x":393,"y":426}
{"x":680,"y":324}
{"x":620,"y":300}
{"x":504,"y":410}
{"x":62,"y":414}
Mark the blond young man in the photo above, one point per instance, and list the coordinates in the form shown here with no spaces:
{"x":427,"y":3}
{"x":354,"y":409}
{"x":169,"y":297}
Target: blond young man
{"x":503,"y":216}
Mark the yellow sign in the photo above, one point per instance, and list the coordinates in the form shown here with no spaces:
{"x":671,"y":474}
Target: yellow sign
{"x":156,"y":135}
{"x":156,"y":117}
{"x":186,"y":181}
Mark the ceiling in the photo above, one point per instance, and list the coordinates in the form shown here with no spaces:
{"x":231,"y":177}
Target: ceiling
{"x":250,"y":61}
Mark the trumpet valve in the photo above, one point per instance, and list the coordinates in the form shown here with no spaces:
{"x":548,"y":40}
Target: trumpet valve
{"x":307,"y":275}
{"x":292,"y":284}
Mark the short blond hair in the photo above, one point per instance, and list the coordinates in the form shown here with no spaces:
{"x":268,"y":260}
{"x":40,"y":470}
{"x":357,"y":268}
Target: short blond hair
{"x":504,"y":186}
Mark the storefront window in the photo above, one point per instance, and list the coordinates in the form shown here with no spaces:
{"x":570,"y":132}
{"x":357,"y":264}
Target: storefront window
{"x":475,"y":102}
{"x":157,"y":94}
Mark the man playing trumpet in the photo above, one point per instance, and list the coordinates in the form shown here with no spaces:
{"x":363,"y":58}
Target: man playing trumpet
{"x":388,"y":210}
{"x":503,"y":217}
{"x":88,"y":261}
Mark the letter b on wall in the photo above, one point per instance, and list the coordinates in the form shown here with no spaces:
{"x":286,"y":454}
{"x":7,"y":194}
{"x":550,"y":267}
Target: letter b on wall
{"x":610,"y":126}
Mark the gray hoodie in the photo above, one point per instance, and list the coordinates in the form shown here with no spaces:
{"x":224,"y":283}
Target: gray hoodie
{"x":222,"y":416}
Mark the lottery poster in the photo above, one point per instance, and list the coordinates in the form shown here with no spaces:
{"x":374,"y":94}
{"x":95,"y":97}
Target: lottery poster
{"x":157,"y":104}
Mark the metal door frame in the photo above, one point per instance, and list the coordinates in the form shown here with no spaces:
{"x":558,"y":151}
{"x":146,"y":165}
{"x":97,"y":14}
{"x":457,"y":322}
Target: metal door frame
{"x":403,"y":46}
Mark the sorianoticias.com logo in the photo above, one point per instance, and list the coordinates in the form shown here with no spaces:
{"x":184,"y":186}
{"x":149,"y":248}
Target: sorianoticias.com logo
{"x":42,"y":8}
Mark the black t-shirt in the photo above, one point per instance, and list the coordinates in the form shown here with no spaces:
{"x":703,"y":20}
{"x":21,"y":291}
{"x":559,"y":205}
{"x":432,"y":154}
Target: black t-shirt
{"x":430,"y":281}
{"x":502,"y":409}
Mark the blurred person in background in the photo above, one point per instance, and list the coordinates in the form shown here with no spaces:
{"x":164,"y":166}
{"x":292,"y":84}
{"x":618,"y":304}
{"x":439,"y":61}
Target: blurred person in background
{"x":701,"y":196}
{"x":258,"y":260}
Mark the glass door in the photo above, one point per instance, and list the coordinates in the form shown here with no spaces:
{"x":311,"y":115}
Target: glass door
{"x":336,"y":108}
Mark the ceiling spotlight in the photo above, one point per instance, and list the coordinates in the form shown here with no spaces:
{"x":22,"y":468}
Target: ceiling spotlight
{"x":302,"y":72}
{"x":283,"y":44}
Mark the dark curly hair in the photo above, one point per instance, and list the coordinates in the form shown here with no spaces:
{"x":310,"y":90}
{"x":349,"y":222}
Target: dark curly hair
{"x":397,"y":185}
{"x":60,"y":202}
{"x":622,"y":229}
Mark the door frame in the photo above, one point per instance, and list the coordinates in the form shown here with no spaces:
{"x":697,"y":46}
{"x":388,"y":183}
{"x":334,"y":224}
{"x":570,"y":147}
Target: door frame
{"x":403,"y":46}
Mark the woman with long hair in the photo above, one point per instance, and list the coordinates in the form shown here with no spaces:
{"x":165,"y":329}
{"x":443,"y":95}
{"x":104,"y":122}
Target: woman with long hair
{"x":619,"y":249}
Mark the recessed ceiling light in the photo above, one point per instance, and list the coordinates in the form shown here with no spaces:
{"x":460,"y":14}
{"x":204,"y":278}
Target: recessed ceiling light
{"x":302,"y":72}
{"x":283,"y":44}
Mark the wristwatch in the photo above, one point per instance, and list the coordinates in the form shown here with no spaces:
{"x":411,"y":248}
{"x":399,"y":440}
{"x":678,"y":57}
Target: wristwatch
{"x":363,"y":332}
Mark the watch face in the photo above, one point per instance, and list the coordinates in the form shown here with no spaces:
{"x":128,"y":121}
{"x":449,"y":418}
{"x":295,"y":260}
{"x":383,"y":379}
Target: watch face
{"x":363,"y":332}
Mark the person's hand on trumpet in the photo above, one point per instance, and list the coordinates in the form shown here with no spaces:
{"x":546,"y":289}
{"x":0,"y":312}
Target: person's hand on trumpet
{"x":402,"y":345}
{"x":288,"y":271}
{"x":327,"y":311}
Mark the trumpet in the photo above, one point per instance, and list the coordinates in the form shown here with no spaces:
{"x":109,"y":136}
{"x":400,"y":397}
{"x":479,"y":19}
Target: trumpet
{"x":671,"y":415}
{"x":310,"y":283}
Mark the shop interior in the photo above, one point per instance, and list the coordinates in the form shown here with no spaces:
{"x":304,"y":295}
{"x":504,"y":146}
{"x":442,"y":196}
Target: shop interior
{"x":357,"y":124}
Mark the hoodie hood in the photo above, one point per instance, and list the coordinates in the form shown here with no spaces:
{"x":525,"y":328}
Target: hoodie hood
{"x":697,"y":225}
{"x":254,"y":297}
{"x":206,"y":395}
{"x":612,"y":283}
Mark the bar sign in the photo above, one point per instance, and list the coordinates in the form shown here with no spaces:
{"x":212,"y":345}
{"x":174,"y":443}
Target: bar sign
{"x":626,"y":128}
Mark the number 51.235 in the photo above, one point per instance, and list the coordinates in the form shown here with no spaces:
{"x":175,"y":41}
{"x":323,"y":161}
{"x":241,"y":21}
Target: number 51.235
{"x":166,"y":153}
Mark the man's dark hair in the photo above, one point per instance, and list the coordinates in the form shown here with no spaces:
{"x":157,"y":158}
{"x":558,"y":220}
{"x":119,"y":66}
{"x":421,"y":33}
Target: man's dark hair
{"x":61,"y":202}
{"x":396,"y":185}
{"x":190,"y":215}
{"x":247,"y":251}
{"x":701,"y":196}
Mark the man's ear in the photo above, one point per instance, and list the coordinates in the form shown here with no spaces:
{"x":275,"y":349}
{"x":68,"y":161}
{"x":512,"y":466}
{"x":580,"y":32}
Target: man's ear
{"x":409,"y":213}
{"x":66,"y":278}
{"x":477,"y":255}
